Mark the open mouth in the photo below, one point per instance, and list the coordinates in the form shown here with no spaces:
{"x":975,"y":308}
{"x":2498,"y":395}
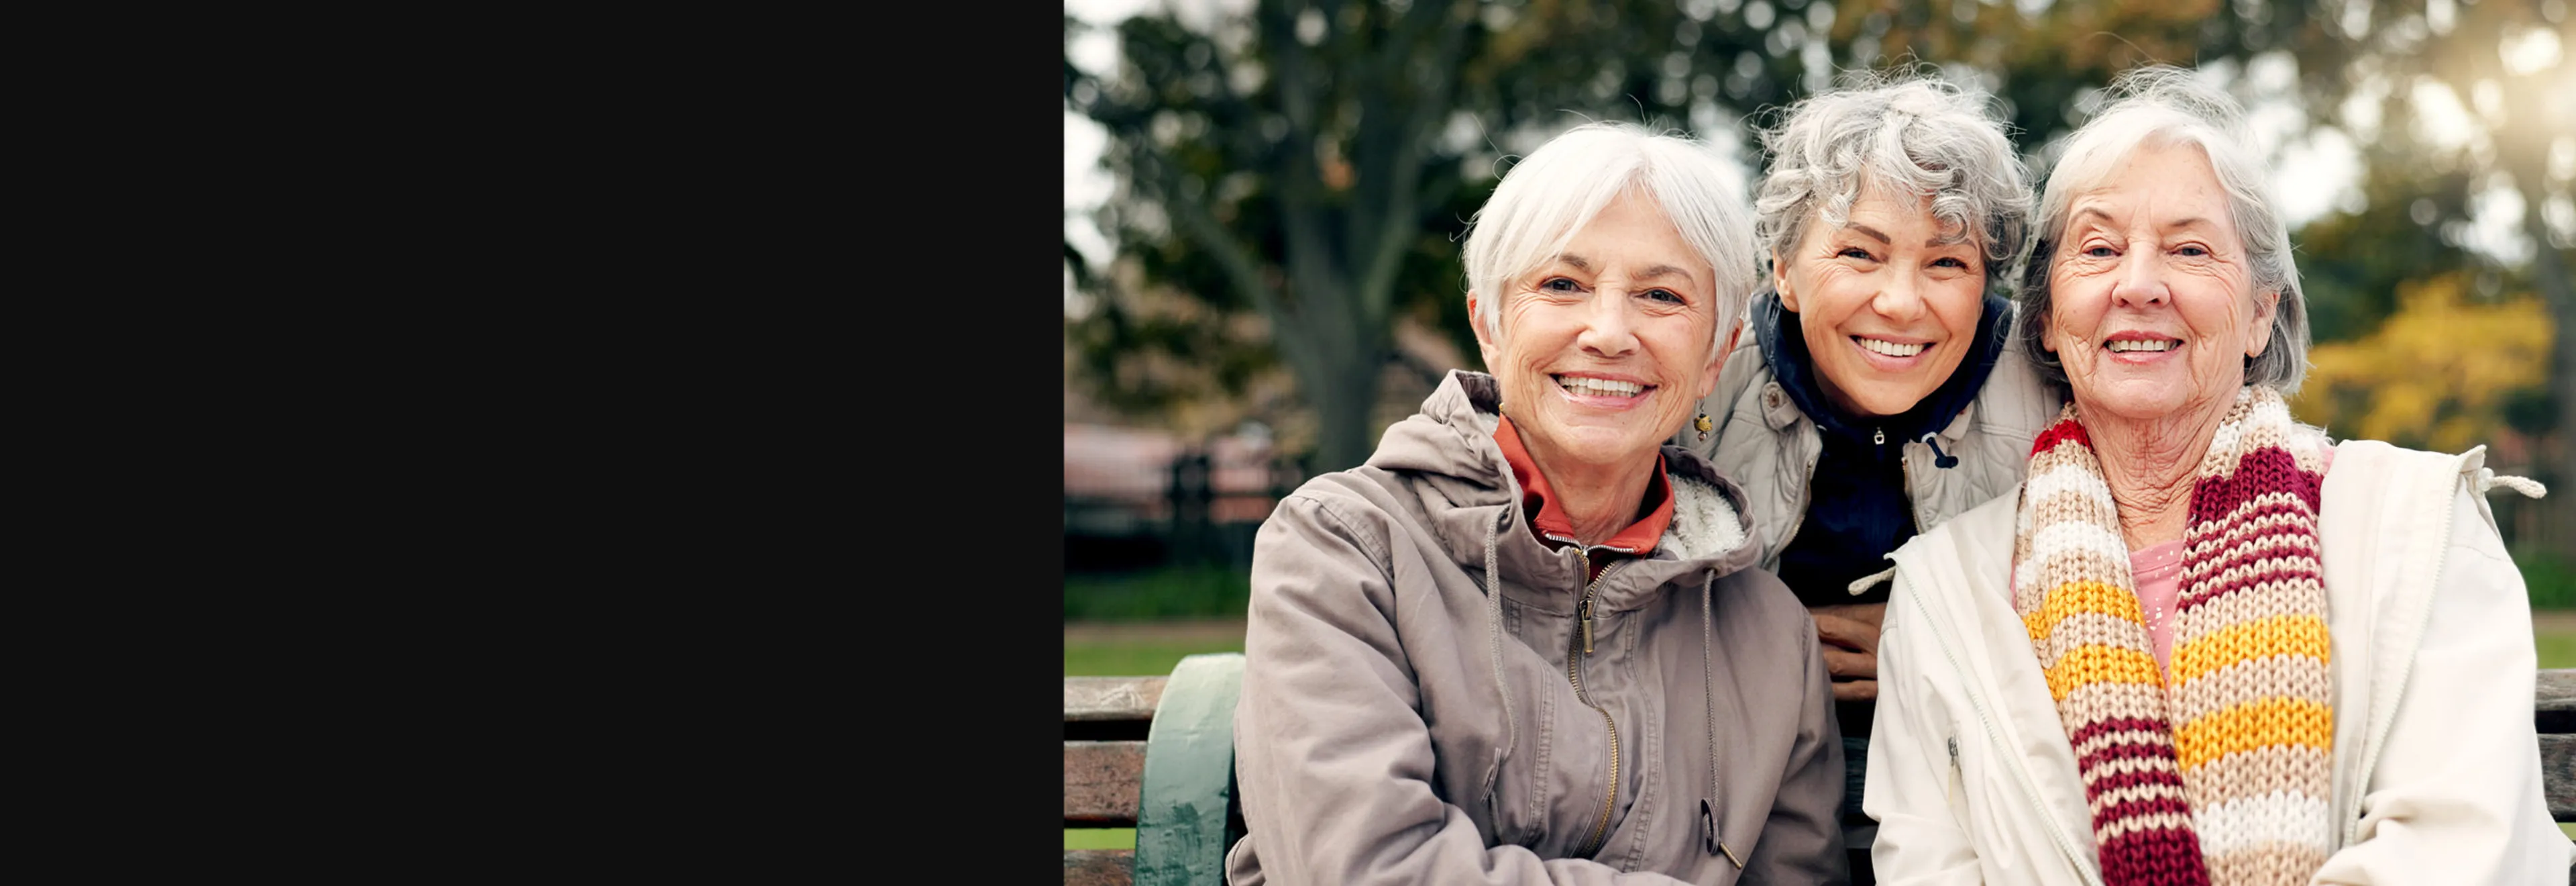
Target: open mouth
{"x":2129,"y":346}
{"x":1890,"y":348}
{"x":1587,"y":387}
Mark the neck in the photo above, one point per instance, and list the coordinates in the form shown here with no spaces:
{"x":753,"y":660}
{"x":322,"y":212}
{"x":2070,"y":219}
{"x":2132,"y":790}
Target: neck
{"x":2151,"y":468}
{"x":1599,"y":500}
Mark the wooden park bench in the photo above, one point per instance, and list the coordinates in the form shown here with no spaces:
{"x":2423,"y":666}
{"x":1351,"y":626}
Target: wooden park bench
{"x":1157,"y":754}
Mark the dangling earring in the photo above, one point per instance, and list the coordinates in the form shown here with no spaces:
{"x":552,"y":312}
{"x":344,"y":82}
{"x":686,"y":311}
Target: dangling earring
{"x":1702,"y":424}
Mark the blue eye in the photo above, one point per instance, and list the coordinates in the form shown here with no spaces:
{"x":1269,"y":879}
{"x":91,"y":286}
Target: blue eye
{"x":1663,"y":295}
{"x":1855,"y":252}
{"x":2194,"y":252}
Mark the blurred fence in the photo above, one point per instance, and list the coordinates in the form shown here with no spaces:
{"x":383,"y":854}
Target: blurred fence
{"x":1136,"y":499}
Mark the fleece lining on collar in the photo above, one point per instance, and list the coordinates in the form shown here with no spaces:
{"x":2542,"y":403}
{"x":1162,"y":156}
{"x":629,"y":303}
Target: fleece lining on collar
{"x":1449,"y":450}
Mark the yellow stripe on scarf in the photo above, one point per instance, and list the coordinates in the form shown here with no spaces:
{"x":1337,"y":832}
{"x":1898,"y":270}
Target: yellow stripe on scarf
{"x":2252,"y":725}
{"x":2074,"y":598}
{"x":2296,"y":635}
{"x":2096,"y":663}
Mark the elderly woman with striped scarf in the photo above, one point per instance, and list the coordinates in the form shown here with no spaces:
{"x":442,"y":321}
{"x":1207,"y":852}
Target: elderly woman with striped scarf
{"x":2202,"y":643}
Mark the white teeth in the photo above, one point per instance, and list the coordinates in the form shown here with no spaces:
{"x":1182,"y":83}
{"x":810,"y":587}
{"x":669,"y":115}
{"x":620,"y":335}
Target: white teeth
{"x":2125,"y":346}
{"x":1892,"y":348}
{"x":1600,"y":387}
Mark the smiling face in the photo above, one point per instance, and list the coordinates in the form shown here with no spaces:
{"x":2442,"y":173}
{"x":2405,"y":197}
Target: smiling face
{"x":1887,"y":309}
{"x":1607,"y":348}
{"x":2153,"y":309}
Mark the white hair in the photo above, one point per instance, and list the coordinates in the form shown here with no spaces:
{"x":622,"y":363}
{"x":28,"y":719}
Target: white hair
{"x":2160,"y":106}
{"x":1548,"y":197}
{"x":1911,"y":138}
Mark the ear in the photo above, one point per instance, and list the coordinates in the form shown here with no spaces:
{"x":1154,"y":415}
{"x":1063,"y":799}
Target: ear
{"x":1485,"y":340}
{"x":2047,"y":336}
{"x":2260,"y":338}
{"x":1717,"y":362}
{"x":1780,"y":283}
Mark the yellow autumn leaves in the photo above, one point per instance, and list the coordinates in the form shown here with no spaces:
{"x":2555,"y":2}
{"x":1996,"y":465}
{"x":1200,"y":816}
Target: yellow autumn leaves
{"x":2436,"y":375}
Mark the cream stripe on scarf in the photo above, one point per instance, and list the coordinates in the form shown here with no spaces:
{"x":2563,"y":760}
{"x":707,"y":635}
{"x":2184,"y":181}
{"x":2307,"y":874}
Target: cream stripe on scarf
{"x":2218,"y":770}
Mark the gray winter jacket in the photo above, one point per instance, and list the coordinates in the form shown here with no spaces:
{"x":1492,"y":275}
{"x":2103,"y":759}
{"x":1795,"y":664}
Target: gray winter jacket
{"x":1407,"y":718}
{"x":1765,"y":443}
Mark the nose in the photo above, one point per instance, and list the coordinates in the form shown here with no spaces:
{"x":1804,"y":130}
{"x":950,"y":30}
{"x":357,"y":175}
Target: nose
{"x":1608,"y":328}
{"x":2142,"y":279}
{"x":1900,"y":299}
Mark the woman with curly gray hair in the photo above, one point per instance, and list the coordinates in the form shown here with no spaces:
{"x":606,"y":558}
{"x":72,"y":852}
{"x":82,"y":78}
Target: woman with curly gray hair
{"x":1880,"y":391}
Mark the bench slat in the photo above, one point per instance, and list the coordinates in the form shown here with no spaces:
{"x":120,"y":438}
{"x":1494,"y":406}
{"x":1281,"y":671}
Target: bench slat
{"x":1111,"y":698}
{"x":1100,"y":783}
{"x":2554,"y":701}
{"x":2558,"y":775}
{"x":1098,"y":867}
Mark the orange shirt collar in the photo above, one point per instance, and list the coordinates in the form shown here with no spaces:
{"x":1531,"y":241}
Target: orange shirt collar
{"x":1548,"y":520}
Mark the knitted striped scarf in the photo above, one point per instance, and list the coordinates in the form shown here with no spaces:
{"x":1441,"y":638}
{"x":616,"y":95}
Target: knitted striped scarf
{"x":2222,"y":774}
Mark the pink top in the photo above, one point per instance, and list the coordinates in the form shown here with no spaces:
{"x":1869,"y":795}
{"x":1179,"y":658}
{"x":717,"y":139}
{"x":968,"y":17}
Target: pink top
{"x":2157,"y":573}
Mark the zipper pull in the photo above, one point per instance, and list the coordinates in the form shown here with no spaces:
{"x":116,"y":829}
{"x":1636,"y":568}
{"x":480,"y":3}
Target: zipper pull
{"x":1878,"y":436}
{"x":1586,"y":615}
{"x":1716,"y":846}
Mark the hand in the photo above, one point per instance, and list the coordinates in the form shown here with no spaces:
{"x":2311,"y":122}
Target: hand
{"x":1849,"y":635}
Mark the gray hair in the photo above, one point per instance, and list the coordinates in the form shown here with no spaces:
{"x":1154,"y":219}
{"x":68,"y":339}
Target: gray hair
{"x":2157,"y":106}
{"x":1924,"y":138}
{"x":1557,"y":189}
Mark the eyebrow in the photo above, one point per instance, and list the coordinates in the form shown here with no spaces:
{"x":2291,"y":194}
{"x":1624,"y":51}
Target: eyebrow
{"x":1651,"y":271}
{"x":2170,"y":226}
{"x":1872,"y":232}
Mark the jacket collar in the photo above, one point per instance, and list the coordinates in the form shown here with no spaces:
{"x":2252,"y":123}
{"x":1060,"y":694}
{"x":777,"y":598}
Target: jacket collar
{"x":1447,"y":454}
{"x":1784,"y":350}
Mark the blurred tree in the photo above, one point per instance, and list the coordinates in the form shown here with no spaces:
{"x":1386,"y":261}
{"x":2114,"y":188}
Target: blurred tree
{"x":2378,"y":69}
{"x":1313,"y":163}
{"x":2438,"y":375}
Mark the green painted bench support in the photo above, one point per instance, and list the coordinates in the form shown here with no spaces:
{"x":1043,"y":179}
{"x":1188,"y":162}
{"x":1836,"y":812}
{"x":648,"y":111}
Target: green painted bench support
{"x":1188,"y":818}
{"x":1157,"y":754}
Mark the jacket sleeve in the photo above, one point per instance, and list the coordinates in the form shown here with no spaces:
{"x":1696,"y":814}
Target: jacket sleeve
{"x":1913,"y":789}
{"x":1333,"y":761}
{"x":1802,"y":842}
{"x":2456,"y":794}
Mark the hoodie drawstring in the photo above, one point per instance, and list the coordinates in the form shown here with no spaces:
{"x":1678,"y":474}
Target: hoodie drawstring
{"x":1939,"y":458}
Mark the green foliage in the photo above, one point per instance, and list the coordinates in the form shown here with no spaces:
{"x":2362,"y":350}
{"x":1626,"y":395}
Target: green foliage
{"x":1168,"y":593}
{"x":1142,"y":657}
{"x":2550,"y":579}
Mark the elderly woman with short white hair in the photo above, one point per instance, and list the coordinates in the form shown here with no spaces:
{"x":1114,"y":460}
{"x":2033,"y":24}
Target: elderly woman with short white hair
{"x":1526,"y":643}
{"x":2202,"y":643}
{"x":1880,"y":391}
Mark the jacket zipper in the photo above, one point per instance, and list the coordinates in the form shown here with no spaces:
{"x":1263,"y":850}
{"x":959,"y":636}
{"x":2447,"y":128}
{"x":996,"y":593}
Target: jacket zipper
{"x":1574,"y":672}
{"x":2018,"y":764}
